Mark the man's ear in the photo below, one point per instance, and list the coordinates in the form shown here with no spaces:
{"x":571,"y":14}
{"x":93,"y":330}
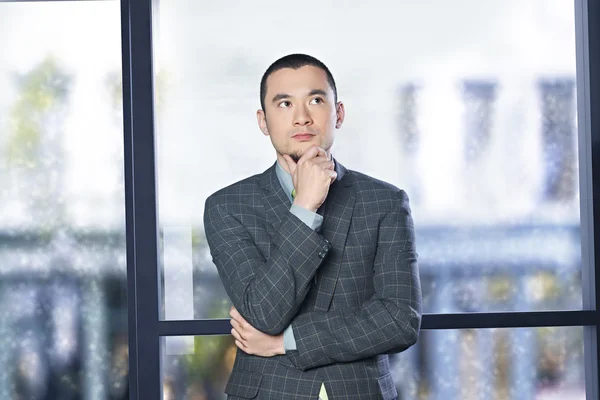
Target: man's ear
{"x":340,"y":114}
{"x":262,"y":122}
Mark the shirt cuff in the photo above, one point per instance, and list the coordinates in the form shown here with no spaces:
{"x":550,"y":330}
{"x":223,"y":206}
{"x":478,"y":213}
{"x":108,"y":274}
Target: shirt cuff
{"x":311,"y":219}
{"x":289,"y":341}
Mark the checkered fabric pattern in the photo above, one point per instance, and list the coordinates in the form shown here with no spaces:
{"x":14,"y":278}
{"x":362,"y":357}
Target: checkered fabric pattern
{"x":364,"y":304}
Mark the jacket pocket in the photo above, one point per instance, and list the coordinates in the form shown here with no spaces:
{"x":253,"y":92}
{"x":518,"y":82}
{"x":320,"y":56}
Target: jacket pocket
{"x":387,"y":387}
{"x":243,"y":384}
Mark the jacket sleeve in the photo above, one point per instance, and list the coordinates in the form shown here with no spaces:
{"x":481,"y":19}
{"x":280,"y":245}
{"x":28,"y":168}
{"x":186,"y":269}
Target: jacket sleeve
{"x":266,"y":292}
{"x":389,"y":322}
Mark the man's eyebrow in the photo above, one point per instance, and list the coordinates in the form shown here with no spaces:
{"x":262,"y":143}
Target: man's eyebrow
{"x":281,"y":96}
{"x":318,"y":91}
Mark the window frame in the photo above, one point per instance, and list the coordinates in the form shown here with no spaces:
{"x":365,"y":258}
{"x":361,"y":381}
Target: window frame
{"x":143,"y":280}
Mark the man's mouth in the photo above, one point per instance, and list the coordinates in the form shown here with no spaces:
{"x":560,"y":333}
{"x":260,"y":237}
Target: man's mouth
{"x":303,"y":137}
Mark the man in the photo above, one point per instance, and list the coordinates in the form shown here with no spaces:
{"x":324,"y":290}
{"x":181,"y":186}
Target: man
{"x":318,"y":261}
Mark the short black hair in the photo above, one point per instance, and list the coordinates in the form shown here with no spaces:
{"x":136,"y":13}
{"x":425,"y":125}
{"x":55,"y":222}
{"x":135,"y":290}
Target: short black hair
{"x":294,"y":61}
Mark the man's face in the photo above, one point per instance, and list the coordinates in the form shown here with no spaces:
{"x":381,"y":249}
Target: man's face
{"x":300,"y":111}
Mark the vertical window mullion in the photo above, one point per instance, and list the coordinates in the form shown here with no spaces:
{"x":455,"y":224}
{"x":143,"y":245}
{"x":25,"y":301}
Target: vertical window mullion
{"x":587,"y":17}
{"x":141,"y":211}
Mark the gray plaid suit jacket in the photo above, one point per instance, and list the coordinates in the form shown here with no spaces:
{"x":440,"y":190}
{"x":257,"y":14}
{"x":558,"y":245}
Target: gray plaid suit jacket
{"x":351,"y":291}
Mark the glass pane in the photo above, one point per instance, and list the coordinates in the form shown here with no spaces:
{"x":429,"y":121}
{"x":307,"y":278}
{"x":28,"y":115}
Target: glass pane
{"x":196,"y":367}
{"x":63,"y":310}
{"x":467,"y":105}
{"x":524,"y":363}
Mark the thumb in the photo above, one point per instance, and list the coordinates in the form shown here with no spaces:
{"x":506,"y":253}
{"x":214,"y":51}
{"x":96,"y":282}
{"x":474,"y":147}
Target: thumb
{"x":291,"y":163}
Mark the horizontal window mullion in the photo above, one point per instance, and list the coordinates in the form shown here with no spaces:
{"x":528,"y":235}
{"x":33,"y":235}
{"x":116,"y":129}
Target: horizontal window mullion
{"x":430,"y":321}
{"x":510,"y":319}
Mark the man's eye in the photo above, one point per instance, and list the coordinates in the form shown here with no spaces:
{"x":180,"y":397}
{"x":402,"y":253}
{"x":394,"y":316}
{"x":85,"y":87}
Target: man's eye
{"x":316,"y":100}
{"x":284,"y":104}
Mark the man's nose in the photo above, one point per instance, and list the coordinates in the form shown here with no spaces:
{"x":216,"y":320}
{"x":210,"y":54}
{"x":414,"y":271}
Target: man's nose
{"x":302,"y":117}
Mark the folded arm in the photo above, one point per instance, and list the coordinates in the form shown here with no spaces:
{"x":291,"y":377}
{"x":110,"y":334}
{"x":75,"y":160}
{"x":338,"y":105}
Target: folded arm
{"x":388,"y":322}
{"x":266,"y":292}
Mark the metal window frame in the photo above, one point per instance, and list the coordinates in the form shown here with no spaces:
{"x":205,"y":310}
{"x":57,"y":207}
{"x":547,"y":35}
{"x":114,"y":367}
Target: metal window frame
{"x":145,"y":328}
{"x":587,"y":19}
{"x":145,"y":376}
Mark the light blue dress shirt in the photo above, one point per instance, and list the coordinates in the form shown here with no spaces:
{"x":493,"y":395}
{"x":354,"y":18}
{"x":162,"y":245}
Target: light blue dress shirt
{"x":311,"y":219}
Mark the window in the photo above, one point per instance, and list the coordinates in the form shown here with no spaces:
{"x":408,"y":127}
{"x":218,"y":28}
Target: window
{"x":63,"y":318}
{"x":534,"y":363}
{"x":474,"y":116}
{"x":480,"y":129}
{"x":482,"y":111}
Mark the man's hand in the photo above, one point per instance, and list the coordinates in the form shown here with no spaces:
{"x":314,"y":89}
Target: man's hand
{"x":252,"y":341}
{"x":312,"y":176}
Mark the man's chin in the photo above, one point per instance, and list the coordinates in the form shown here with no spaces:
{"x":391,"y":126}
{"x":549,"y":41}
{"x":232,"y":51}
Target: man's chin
{"x":300,"y":152}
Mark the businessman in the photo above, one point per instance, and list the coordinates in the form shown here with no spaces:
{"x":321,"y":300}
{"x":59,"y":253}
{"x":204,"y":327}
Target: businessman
{"x":319,"y":261}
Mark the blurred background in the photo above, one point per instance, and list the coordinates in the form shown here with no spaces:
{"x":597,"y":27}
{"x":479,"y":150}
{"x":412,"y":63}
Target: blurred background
{"x":469,"y":106}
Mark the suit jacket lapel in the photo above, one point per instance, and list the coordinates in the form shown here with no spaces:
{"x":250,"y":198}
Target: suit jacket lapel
{"x":275,"y":200}
{"x":337,"y":215}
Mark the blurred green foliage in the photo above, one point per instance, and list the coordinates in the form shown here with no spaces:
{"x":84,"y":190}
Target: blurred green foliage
{"x":42,"y":91}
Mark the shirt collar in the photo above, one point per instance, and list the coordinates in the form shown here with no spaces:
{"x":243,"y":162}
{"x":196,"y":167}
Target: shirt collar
{"x":285,"y":179}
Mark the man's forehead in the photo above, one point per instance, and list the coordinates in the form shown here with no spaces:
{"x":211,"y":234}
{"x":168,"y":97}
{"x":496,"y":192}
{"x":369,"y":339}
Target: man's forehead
{"x":303,"y":79}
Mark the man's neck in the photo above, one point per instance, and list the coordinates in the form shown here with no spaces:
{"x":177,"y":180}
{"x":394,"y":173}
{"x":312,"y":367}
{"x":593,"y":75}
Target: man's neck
{"x":283,"y":163}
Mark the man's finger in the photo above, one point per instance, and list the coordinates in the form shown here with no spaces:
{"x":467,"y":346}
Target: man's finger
{"x":233,"y":313}
{"x":236,"y":316}
{"x":312,"y":152}
{"x":332,"y":175}
{"x":321,"y":152}
{"x":324,"y":162}
{"x":241,"y":346}
{"x":237,"y":335}
{"x":236,"y":325}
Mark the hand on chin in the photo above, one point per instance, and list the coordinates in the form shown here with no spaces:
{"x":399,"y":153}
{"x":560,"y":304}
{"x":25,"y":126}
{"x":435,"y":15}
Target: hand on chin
{"x":302,"y":149}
